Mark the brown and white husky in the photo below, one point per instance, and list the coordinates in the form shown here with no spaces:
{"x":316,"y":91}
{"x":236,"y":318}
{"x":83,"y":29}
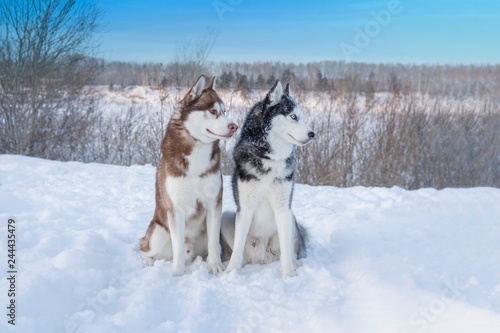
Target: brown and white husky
{"x":186,"y":222}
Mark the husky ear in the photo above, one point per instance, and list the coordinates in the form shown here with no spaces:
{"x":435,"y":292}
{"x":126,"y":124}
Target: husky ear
{"x":274,"y":95}
{"x":287,"y":89}
{"x":196,"y":89}
{"x":211,"y":85}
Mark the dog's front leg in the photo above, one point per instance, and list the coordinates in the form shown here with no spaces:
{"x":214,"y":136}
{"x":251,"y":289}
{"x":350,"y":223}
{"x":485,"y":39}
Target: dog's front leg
{"x":284,"y":225}
{"x":177,"y":228}
{"x":242,"y":225}
{"x":213,"y":234}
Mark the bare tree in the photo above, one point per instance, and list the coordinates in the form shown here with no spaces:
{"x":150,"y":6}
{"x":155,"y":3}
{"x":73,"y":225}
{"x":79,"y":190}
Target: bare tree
{"x":191,"y":58}
{"x":44,"y":60}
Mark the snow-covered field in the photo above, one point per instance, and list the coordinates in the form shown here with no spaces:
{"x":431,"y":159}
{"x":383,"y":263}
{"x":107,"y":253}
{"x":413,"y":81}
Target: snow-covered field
{"x":379,"y":260}
{"x":145,"y":99}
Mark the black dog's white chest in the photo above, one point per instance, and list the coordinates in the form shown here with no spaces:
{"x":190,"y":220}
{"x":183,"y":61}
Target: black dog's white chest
{"x":280,"y":170}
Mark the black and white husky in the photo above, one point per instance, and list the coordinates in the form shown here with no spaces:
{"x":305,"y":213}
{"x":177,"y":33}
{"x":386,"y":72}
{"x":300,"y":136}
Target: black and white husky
{"x":186,"y":222}
{"x":264,"y":229}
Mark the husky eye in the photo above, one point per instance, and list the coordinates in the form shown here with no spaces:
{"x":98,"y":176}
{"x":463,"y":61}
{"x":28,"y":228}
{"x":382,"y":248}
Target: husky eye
{"x":213,"y":111}
{"x":294,"y":117}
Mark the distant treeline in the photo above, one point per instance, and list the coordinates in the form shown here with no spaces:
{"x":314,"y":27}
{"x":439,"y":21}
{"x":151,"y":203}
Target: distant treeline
{"x":457,"y":81}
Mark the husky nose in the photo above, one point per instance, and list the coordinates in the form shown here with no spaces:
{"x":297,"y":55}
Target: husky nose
{"x":311,"y":134}
{"x":232,"y":127}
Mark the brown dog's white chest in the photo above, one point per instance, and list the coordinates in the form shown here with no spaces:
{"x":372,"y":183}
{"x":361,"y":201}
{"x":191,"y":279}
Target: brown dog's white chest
{"x":186,"y":192}
{"x":200,"y":161}
{"x":197,"y":184}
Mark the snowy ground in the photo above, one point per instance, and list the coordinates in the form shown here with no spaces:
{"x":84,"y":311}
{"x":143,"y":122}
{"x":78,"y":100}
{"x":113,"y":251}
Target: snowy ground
{"x":379,"y":260}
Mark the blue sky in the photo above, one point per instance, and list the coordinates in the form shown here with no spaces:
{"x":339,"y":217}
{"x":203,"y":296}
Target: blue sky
{"x":407,"y":31}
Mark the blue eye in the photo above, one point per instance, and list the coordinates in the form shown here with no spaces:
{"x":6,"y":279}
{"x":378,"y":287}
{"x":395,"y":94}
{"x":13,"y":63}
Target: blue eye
{"x":293,"y":116}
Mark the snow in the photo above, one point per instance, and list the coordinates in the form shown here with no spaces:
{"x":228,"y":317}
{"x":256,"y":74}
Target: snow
{"x":379,"y":260}
{"x":144,"y":99}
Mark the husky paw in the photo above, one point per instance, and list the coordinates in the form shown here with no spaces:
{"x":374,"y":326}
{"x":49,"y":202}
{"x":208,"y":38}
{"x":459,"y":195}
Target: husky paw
{"x":287,"y":273}
{"x":215,"y":268}
{"x":148,"y":261}
{"x":230,"y":268}
{"x":178,"y":271}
